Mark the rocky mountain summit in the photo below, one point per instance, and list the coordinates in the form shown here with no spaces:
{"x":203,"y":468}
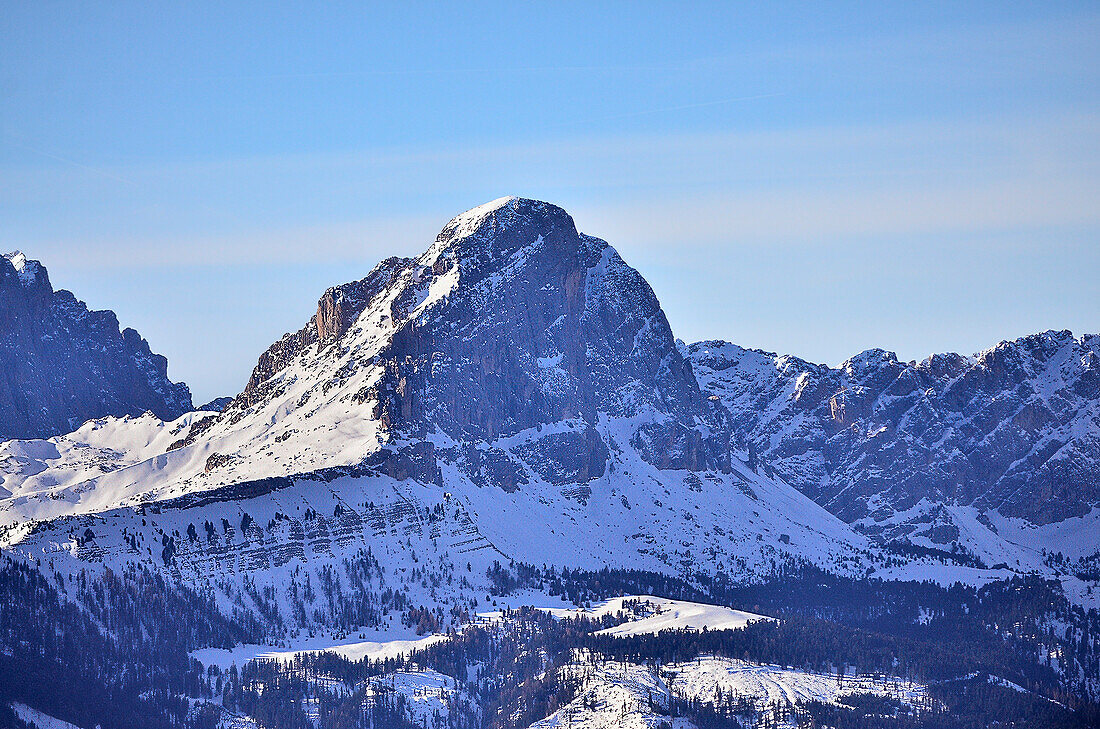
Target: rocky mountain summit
{"x":887,"y":444}
{"x":511,"y":321}
{"x":62,"y":364}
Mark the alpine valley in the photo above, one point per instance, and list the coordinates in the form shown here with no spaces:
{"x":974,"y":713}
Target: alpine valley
{"x":488,"y":487}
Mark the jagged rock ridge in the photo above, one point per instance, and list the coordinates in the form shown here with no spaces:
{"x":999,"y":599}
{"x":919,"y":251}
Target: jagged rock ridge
{"x":216,"y":405}
{"x":1015,"y":428}
{"x":61,"y":364}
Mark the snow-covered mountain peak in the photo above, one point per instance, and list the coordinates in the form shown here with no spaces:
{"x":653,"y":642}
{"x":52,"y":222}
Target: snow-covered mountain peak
{"x":945,"y":366}
{"x":501,"y":235}
{"x":868,"y":361}
{"x":467,"y":222}
{"x":524,"y":368}
{"x":1038,"y":347}
{"x":492,"y":219}
{"x":518,"y":377}
{"x":25,"y":268}
{"x":17,"y":259}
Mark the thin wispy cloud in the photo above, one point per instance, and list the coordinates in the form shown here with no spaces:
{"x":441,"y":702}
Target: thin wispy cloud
{"x":15,"y":141}
{"x":704,"y":189}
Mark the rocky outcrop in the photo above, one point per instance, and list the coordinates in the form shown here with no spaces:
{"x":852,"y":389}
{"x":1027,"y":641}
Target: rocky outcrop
{"x":62,"y":364}
{"x":1015,"y":428}
{"x":216,"y":405}
{"x":337,"y":310}
{"x":416,"y":462}
{"x":541,"y":324}
{"x":569,"y":457}
{"x":340,"y":306}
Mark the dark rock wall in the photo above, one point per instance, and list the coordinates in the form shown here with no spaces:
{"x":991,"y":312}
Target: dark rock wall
{"x":61,"y":364}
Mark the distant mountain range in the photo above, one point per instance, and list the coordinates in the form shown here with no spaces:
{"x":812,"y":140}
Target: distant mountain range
{"x":893,"y":447}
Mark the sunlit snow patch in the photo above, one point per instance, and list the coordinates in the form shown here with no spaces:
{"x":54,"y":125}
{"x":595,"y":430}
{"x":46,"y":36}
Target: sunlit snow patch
{"x":651,"y":615}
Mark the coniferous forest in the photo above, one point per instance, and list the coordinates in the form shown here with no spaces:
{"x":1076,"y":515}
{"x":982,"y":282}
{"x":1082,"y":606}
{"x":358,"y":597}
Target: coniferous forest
{"x":113,"y":650}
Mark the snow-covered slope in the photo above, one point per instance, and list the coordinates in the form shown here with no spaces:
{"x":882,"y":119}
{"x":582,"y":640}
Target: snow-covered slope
{"x":617,"y":694}
{"x":285,"y":529}
{"x":97,"y":447}
{"x":664,"y":614}
{"x":647,"y":614}
{"x":38,"y":719}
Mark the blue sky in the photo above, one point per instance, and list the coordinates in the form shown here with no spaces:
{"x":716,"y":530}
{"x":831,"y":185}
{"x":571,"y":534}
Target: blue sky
{"x":808,"y":178}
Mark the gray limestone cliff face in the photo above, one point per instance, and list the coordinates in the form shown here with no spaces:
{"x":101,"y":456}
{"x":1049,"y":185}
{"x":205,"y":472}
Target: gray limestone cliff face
{"x":544,"y":325}
{"x":337,"y":310}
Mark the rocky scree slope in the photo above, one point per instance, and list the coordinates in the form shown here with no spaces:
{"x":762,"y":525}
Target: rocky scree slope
{"x":61,"y":364}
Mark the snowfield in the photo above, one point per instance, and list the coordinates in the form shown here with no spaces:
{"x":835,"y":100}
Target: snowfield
{"x":650,"y":615}
{"x":681,"y":615}
{"x":63,"y":467}
{"x":375,"y":650}
{"x":774,"y":684}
